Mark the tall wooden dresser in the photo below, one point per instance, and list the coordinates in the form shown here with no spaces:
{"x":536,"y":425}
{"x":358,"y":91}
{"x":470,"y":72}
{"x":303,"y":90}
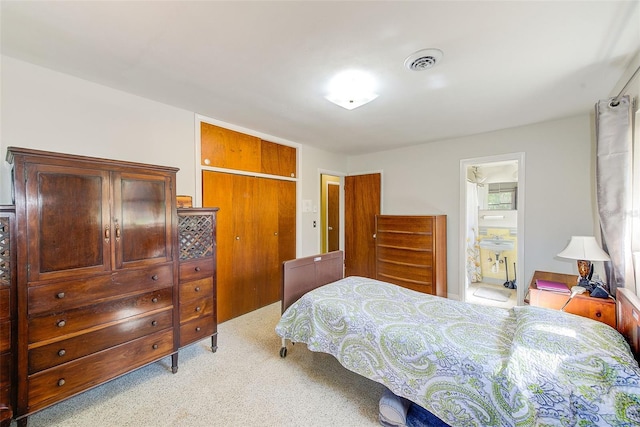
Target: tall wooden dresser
{"x":7,"y":314}
{"x":411,"y":251}
{"x":197,"y":254}
{"x":96,"y":272}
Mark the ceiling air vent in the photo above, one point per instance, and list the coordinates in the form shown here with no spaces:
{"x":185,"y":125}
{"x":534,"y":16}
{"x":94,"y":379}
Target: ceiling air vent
{"x":423,"y":59}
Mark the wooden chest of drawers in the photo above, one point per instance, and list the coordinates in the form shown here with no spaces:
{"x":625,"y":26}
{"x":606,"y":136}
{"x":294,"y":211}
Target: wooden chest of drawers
{"x":411,"y":251}
{"x":197,"y":255}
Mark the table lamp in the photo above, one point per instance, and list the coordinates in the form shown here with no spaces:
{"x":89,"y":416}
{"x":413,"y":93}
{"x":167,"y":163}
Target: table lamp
{"x":584,"y":249}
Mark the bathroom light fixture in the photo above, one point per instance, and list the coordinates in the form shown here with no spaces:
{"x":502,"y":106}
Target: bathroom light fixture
{"x":351,"y":89}
{"x":584,"y":249}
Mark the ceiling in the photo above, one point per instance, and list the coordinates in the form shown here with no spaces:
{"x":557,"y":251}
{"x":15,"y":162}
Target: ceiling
{"x":265,"y":65}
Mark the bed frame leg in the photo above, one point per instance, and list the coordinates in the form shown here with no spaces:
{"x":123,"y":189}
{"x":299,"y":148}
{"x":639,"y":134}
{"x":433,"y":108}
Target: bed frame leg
{"x":283,"y":349}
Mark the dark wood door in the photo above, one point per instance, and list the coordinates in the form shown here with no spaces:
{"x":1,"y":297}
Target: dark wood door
{"x":141,"y":220}
{"x":68,"y":230}
{"x":362,"y":204}
{"x":333,"y":217}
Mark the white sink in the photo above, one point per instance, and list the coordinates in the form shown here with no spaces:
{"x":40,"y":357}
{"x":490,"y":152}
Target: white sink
{"x":496,"y":245}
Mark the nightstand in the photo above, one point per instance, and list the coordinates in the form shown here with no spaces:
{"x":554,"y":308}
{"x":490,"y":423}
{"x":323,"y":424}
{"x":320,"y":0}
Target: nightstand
{"x":601,"y":309}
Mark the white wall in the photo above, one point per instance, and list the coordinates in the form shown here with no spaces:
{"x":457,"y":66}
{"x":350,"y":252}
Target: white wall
{"x":48,"y":110}
{"x":424,"y":180}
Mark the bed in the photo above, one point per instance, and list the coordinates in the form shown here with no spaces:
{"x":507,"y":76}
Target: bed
{"x":468,"y":365}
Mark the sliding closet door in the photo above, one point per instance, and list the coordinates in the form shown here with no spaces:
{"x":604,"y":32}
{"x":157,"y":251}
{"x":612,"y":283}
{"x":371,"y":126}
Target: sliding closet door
{"x":256,"y":233}
{"x":234,"y":195}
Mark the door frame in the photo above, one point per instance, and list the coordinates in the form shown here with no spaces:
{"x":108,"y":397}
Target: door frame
{"x":520,"y":264}
{"x":323,"y":206}
{"x":324,"y":217}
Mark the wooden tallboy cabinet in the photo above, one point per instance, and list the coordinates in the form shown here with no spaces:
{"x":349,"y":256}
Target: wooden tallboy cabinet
{"x":197,"y":254}
{"x":411,"y":251}
{"x":8,"y":324}
{"x":97,"y":272}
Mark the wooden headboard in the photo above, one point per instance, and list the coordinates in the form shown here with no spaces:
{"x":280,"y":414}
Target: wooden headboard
{"x":302,"y":275}
{"x":628,"y":314}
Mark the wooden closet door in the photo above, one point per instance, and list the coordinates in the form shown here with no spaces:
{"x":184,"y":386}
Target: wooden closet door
{"x":237,"y":242}
{"x":68,"y":216}
{"x":286,"y":224}
{"x":267,"y":233}
{"x":256,"y":232}
{"x":217,"y":190}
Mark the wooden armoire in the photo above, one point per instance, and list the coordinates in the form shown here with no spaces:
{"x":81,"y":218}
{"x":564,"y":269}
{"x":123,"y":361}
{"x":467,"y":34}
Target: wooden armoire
{"x":253,"y":183}
{"x":96,"y":272}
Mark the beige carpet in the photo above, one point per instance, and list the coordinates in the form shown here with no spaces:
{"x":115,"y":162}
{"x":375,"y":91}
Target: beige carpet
{"x":245,"y":383}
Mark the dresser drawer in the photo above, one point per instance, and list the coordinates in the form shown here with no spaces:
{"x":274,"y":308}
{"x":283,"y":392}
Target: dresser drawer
{"x":72,"y":321}
{"x":59,"y":352}
{"x":56,"y":384}
{"x":5,"y":336}
{"x":197,"y":308}
{"x":70,"y":294}
{"x":196,"y":289}
{"x":5,"y":295}
{"x":196,"y":330}
{"x":196,"y":269}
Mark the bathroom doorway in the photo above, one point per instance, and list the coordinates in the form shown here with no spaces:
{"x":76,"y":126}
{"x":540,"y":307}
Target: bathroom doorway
{"x":492,"y":230}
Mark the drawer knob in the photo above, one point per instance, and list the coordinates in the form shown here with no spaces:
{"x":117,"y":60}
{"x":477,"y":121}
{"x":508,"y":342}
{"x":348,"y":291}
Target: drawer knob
{"x":155,"y":346}
{"x":62,"y":352}
{"x":197,"y":328}
{"x":198,"y":309}
{"x":61,"y":382}
{"x":197,"y":268}
{"x":61,"y":323}
{"x":197,"y":289}
{"x":154,"y":323}
{"x":154,"y":277}
{"x":154,"y":299}
{"x":598,"y":314}
{"x":60,"y":295}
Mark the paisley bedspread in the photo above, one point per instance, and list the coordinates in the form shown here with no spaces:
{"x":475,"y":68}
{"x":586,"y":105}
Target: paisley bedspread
{"x":472,"y":365}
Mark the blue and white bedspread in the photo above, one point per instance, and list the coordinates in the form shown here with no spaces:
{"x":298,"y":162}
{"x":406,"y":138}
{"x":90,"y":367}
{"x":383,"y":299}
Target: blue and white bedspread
{"x":472,"y":365}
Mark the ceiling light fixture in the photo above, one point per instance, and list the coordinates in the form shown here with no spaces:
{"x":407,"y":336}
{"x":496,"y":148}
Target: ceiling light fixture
{"x":423,"y":59}
{"x":351,"y":89}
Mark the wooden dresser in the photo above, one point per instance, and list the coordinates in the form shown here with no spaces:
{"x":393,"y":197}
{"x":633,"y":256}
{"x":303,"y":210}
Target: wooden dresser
{"x":7,"y":314}
{"x":197,"y":255}
{"x":97,"y":275}
{"x":411,"y":251}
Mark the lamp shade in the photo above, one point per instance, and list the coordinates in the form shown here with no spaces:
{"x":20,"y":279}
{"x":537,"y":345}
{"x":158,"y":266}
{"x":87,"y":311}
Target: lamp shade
{"x":584,"y":248}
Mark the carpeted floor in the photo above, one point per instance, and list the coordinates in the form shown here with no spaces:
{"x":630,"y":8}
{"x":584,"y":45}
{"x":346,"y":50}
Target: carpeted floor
{"x":245,"y":383}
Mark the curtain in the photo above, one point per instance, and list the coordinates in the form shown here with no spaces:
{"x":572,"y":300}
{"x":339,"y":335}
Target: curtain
{"x":474,"y":270}
{"x":614,"y":189}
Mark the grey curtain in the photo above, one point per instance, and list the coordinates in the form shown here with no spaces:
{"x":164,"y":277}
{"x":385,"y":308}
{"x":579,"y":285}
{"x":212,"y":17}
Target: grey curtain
{"x":613,"y":187}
